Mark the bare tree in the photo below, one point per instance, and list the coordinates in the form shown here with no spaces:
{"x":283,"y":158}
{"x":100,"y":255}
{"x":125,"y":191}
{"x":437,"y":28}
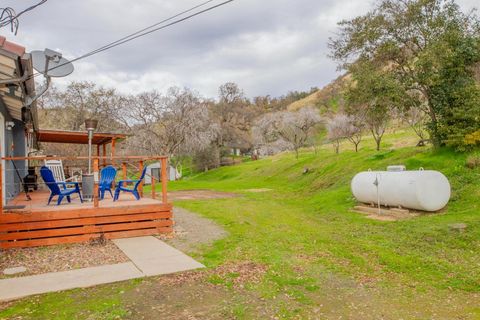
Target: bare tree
{"x":336,"y":130}
{"x":235,"y":115}
{"x":354,"y":130}
{"x":69,"y":108}
{"x":266,"y":139}
{"x":293,"y":128}
{"x":172,"y":124}
{"x":230,"y":92}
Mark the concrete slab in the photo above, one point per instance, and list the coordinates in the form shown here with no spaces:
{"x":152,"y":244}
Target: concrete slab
{"x":14,"y":270}
{"x":149,"y":257}
{"x":14,"y":288}
{"x":154,"y":257}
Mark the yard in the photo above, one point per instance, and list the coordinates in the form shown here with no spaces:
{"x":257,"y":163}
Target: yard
{"x":295,"y":250}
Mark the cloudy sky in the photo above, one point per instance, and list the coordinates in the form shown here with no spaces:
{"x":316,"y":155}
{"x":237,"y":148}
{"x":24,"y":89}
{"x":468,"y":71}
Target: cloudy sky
{"x":266,"y":46}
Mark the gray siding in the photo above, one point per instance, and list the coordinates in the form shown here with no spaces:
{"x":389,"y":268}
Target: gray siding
{"x":17,"y":136}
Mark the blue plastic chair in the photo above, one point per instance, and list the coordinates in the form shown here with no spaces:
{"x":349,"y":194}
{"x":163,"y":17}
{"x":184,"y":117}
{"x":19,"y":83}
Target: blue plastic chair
{"x":133,"y":190}
{"x":47,"y":176}
{"x":107,"y":177}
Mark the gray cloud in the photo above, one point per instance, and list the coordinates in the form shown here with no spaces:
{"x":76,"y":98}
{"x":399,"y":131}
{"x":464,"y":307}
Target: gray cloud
{"x":266,"y":46}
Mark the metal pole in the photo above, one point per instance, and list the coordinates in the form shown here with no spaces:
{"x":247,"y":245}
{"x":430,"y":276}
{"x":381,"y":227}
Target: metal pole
{"x":90,"y":136}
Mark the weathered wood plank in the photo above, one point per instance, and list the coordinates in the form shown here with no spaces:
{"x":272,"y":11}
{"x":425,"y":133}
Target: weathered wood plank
{"x":137,"y":233}
{"x":83,"y":213}
{"x":84,"y":230}
{"x":47,"y":241}
{"x":82,"y":238}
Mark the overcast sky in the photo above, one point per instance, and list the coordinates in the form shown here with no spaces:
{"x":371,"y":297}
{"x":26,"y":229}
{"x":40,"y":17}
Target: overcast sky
{"x":266,"y":46}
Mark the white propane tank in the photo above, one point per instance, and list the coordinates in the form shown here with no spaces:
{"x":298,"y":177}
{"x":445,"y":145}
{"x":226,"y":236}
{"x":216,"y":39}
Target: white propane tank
{"x":425,"y":190}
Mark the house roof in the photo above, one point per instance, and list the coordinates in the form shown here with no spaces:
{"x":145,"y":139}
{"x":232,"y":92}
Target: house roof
{"x":15,"y":63}
{"x":77,"y":137}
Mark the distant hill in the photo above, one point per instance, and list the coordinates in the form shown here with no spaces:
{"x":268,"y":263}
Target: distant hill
{"x":328,"y":99}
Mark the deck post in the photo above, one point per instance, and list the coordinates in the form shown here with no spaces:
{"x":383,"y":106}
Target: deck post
{"x":104,"y":154}
{"x":124,"y":170}
{"x":95,"y":186}
{"x":152,"y":178}
{"x":140,"y":187}
{"x":164,"y":180}
{"x":1,"y":187}
{"x":112,"y":151}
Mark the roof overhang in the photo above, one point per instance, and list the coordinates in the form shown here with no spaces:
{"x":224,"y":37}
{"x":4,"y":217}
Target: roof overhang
{"x":78,"y":137}
{"x":15,"y":63}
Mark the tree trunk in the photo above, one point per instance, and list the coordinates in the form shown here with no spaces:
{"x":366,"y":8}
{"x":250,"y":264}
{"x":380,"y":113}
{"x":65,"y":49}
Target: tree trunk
{"x":378,"y":141}
{"x":434,"y":135}
{"x":336,"y":147}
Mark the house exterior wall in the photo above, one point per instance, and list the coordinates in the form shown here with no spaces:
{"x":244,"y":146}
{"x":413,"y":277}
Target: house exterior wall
{"x":15,"y":135}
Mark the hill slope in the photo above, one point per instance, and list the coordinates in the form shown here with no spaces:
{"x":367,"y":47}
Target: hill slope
{"x":328,"y":99}
{"x":305,"y":223}
{"x":294,"y":249}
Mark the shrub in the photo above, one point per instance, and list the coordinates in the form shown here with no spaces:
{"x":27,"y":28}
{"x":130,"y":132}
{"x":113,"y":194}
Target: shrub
{"x":473,"y":161}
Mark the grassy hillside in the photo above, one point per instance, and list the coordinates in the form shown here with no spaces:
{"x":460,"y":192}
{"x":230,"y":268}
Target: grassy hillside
{"x":305,"y":223}
{"x":328,"y":99}
{"x":322,"y":261}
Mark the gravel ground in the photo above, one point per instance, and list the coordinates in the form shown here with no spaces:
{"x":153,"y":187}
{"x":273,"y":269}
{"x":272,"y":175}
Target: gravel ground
{"x":192,"y":231}
{"x":60,"y":258}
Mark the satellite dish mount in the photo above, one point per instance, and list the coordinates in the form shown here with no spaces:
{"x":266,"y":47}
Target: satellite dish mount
{"x":50,"y":63}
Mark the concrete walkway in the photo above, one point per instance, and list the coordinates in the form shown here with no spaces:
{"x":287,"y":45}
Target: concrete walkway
{"x":149,"y":256}
{"x":155,"y":257}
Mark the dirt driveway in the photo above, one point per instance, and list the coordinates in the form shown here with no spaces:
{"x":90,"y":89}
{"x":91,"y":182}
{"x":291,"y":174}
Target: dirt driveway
{"x":199,"y":195}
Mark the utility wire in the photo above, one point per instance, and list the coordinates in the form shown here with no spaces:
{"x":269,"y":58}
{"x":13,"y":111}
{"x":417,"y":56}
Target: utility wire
{"x":146,"y":31}
{"x":154,"y":25}
{"x":8,"y":16}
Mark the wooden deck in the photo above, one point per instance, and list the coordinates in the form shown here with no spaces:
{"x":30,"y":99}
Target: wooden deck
{"x":39,"y":224}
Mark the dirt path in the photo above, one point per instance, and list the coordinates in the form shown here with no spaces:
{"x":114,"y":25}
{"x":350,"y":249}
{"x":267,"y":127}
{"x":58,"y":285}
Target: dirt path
{"x":199,"y":195}
{"x":193,"y":231}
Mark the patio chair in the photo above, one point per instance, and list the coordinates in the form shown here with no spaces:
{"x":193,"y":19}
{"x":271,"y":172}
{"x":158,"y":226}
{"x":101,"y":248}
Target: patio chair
{"x":55,"y":190}
{"x":107,"y":177}
{"x":56,"y":166}
{"x":75,"y":174}
{"x":133,"y":190}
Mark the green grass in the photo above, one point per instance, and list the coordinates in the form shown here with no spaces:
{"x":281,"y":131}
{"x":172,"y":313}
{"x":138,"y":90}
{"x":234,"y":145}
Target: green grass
{"x":310,"y":213}
{"x":101,"y":302}
{"x":303,"y":230}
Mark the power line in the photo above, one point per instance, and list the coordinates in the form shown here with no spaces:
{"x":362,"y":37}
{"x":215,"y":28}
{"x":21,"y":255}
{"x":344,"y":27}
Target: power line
{"x":153,"y":30}
{"x":8,"y":16}
{"x":147,"y":30}
{"x":154,"y":25}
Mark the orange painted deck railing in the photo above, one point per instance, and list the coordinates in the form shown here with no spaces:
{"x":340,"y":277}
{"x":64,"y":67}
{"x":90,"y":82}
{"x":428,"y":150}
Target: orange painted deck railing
{"x":34,"y":223}
{"x":96,"y":168}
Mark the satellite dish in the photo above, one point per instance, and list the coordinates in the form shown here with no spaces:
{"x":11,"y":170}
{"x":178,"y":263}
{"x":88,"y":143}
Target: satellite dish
{"x":50,"y":63}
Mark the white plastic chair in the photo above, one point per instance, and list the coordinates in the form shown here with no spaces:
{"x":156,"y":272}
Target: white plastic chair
{"x":57,"y":168}
{"x":76,"y":174}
